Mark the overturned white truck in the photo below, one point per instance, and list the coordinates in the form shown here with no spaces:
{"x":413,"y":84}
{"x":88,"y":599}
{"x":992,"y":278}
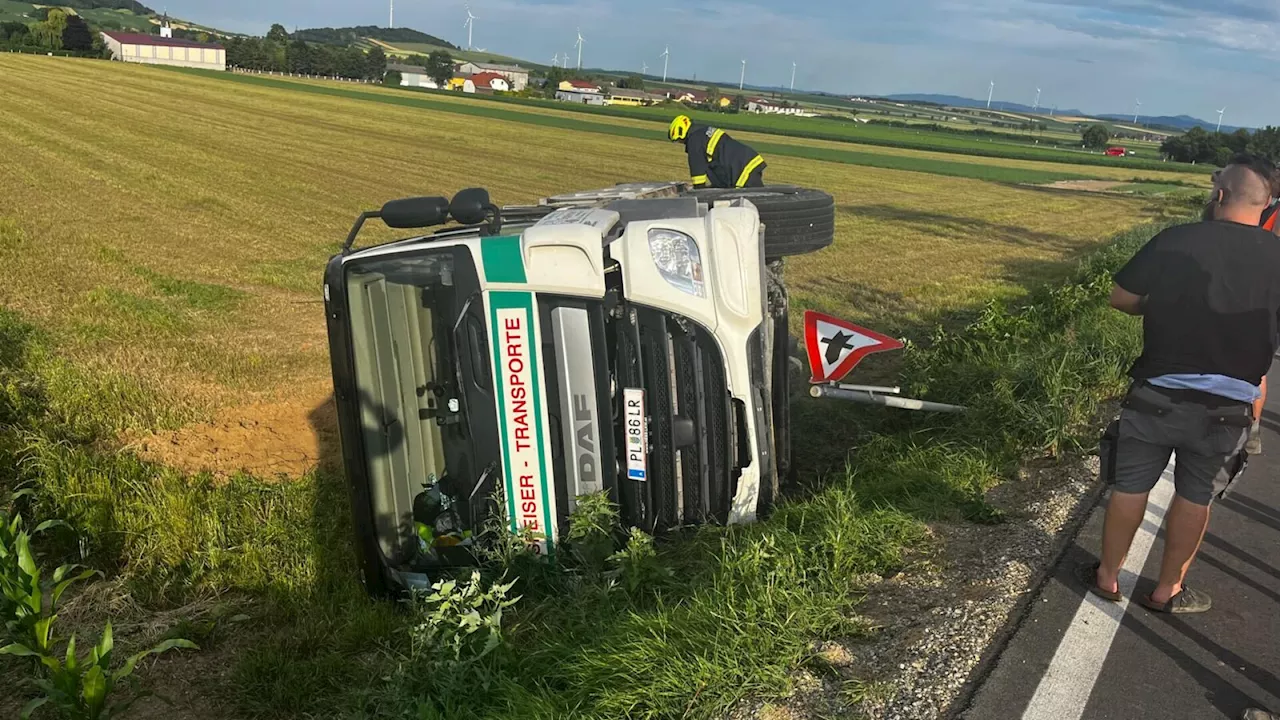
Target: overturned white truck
{"x":631,"y":340}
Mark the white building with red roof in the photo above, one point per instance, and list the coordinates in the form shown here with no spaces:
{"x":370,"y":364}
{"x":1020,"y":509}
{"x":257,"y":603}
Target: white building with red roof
{"x":158,"y":50}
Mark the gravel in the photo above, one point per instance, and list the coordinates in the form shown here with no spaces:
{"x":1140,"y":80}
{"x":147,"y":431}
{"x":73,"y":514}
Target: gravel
{"x":940,"y":619}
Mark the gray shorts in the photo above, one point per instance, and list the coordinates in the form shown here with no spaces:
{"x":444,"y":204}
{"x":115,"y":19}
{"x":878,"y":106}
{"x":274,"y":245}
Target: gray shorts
{"x":1208,"y":443}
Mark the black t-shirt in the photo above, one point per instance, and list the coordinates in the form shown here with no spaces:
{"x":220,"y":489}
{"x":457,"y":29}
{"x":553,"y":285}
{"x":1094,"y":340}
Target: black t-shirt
{"x":1213,"y":296}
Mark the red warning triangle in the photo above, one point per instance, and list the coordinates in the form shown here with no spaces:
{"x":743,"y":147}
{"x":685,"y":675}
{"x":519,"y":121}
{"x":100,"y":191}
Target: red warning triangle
{"x":836,"y":346}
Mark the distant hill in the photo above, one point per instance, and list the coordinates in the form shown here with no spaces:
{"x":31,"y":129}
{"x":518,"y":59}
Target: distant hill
{"x":354,"y":35}
{"x":958,"y":101}
{"x":1178,"y":122}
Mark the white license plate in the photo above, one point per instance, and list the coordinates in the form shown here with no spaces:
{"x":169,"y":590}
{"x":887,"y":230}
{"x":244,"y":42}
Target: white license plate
{"x":637,"y":437}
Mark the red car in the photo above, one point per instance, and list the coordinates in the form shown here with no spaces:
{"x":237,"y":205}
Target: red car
{"x":1116,"y":152}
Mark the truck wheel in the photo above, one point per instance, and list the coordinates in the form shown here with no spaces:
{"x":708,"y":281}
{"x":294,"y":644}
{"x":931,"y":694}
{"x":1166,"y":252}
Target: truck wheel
{"x":796,"y":220}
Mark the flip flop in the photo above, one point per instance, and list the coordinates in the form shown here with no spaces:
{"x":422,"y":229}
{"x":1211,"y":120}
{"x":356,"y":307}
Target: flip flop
{"x":1088,"y":575}
{"x":1186,"y":602}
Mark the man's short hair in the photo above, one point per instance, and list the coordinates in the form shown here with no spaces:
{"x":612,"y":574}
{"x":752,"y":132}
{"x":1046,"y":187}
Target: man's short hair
{"x":1241,"y":184}
{"x":1261,"y":166}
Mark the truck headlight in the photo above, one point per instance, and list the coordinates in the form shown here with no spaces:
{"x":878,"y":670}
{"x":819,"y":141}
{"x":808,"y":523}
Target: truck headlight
{"x":678,"y":260}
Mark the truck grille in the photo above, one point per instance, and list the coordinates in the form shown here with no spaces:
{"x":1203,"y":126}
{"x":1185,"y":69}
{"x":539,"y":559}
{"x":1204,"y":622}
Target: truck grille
{"x":690,"y":463}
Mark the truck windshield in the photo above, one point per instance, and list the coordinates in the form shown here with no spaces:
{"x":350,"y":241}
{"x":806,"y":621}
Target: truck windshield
{"x":417,"y":326}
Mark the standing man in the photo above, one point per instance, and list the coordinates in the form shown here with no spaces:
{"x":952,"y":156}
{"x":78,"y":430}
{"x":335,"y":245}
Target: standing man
{"x":715,"y":159}
{"x":1209,"y":295}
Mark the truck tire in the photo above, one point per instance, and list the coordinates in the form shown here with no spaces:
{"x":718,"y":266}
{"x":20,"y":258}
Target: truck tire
{"x":796,"y":220}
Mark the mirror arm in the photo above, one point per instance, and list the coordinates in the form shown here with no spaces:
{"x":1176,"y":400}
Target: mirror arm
{"x":493,"y":226}
{"x":355,"y":229}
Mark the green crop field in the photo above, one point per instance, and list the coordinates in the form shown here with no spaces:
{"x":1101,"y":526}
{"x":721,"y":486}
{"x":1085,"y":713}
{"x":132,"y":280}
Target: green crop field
{"x":164,"y":388}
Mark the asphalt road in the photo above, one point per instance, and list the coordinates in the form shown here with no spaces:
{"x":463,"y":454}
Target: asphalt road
{"x":1078,"y":657}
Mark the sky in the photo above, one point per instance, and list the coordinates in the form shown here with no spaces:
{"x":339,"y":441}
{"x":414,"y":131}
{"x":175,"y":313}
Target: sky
{"x":1189,"y":57}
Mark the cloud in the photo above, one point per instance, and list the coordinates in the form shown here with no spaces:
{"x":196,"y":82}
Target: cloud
{"x":1182,"y":55}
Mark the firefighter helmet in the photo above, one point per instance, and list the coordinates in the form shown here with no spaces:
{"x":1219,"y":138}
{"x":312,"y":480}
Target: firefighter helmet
{"x":679,"y":128}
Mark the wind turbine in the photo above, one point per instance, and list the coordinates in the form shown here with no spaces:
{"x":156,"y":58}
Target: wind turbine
{"x":392,"y":22}
{"x":470,"y":25}
{"x":644,"y":67}
{"x":555,"y":60}
{"x":1036,"y":106}
{"x":742,"y":79}
{"x":1219,"y":128}
{"x":793,"y":77}
{"x":579,"y":44}
{"x":666,"y":57}
{"x":990,"y":93}
{"x":1137,"y":109}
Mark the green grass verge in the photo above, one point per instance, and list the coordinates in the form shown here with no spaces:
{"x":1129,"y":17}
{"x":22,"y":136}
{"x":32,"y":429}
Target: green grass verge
{"x":498,"y":112}
{"x":741,"y":607}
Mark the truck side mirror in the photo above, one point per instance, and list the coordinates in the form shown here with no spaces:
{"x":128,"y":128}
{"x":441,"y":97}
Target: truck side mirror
{"x":415,"y":212}
{"x":470,"y":206}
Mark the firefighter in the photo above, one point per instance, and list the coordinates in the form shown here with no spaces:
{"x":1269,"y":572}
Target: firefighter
{"x":715,"y":159}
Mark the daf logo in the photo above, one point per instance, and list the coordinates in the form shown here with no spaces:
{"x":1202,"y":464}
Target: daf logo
{"x":584,"y":430}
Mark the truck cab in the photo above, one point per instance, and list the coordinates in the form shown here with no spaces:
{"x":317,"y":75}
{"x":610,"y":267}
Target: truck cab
{"x":629,"y":341}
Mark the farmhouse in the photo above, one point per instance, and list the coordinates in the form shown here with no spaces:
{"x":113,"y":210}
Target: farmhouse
{"x":158,"y":50}
{"x":517,"y":77}
{"x":581,"y":97}
{"x":413,"y":76}
{"x":490,"y":81}
{"x":581,"y":86}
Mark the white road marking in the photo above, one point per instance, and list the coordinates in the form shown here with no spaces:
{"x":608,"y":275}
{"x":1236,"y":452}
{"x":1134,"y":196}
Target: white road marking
{"x":1065,"y":687}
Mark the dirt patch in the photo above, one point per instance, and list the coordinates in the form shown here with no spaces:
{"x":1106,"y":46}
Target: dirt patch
{"x":268,"y":440}
{"x":1086,"y":185}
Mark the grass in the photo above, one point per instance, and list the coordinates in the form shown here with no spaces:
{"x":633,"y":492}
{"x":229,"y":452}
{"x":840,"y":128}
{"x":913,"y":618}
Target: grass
{"x":171,"y":197}
{"x":744,"y":605}
{"x":159,"y":270}
{"x":996,"y":169}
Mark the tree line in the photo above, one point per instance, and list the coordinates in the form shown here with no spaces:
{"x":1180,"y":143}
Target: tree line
{"x":278,"y":52}
{"x":55,"y":30}
{"x":1201,"y":146}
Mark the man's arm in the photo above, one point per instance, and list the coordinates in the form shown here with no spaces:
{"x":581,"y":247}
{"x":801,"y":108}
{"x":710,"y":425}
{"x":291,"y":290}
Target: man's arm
{"x":1127,"y":302}
{"x":1136,"y":280}
{"x":696,"y":146}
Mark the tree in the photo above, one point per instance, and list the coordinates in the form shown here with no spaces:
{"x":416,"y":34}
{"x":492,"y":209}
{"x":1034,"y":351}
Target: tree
{"x":393,"y":78}
{"x":1096,"y":136}
{"x":48,"y":34}
{"x":76,"y":35}
{"x":375,"y":64}
{"x":278,"y":34}
{"x":632,"y":82}
{"x":440,"y":67}
{"x":713,"y":97}
{"x":13,"y":32}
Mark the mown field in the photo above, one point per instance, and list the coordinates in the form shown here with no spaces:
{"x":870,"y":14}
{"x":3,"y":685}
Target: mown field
{"x":822,"y":129}
{"x":996,"y":169}
{"x":162,"y":263}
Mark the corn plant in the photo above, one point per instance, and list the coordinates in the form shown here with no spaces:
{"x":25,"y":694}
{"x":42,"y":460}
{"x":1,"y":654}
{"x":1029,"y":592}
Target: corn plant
{"x":80,"y":687}
{"x":23,"y":615}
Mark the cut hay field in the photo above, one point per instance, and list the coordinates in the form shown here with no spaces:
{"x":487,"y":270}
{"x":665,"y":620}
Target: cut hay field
{"x":164,"y":385}
{"x":244,"y":191}
{"x":978,"y":167}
